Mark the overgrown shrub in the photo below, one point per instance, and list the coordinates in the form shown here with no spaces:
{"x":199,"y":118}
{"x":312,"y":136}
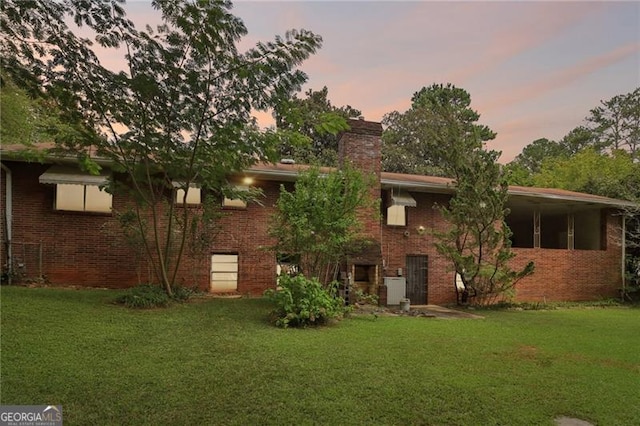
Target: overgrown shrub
{"x":152,"y":296}
{"x":301,"y":302}
{"x":365,"y":298}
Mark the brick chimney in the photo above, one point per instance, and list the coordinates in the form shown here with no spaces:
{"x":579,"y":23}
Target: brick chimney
{"x":361,"y":146}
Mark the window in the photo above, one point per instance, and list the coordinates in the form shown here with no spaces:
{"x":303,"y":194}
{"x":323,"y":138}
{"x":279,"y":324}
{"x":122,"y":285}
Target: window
{"x":76,"y":190}
{"x":236,"y":202}
{"x":396,"y":216}
{"x":397,"y":201}
{"x":554,"y":230}
{"x":588,"y":230}
{"x":82,"y":198}
{"x":521,"y":222}
{"x":287,"y":264}
{"x":224,"y":272}
{"x":194,"y":196}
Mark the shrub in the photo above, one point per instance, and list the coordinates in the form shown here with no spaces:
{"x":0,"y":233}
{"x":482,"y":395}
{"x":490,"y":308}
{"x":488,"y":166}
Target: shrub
{"x":365,"y":299}
{"x":301,"y":302}
{"x":152,"y":296}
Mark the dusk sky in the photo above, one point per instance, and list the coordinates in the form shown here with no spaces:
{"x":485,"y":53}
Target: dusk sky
{"x":533,"y":69}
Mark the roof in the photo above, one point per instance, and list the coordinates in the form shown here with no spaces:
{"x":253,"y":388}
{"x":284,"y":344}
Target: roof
{"x":435,"y":184}
{"x":413,"y":183}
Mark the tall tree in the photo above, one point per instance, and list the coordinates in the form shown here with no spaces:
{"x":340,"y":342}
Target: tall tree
{"x":534,"y":154}
{"x":477,"y":241}
{"x":316,"y":118}
{"x":579,"y":139}
{"x":180,"y":111}
{"x":409,"y":139}
{"x":616,"y":122}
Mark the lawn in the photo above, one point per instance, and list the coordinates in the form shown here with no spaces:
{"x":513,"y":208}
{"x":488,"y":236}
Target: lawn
{"x":218,"y":362}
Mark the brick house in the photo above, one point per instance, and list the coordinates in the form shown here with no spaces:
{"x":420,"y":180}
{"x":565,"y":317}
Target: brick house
{"x":57,"y":221}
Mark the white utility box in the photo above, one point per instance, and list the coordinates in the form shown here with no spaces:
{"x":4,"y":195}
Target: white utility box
{"x":396,"y":289}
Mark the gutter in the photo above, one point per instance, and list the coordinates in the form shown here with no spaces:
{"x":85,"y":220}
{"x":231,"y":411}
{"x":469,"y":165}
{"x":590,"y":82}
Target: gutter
{"x":512,"y":191}
{"x":8,"y":220}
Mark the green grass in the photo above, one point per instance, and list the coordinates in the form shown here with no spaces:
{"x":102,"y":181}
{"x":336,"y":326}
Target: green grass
{"x":219,"y":362}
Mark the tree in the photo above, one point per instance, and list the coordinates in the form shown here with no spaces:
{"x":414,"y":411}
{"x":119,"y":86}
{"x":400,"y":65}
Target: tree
{"x":180,"y":112}
{"x":613,"y":175}
{"x":318,"y":120}
{"x":616,"y":122}
{"x":478,"y":239}
{"x":579,"y":139}
{"x":536,"y":152}
{"x":30,"y":117}
{"x":317,"y":223}
{"x":409,"y":139}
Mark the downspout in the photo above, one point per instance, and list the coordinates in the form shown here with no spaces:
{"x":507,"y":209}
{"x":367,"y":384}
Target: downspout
{"x":8,"y":206}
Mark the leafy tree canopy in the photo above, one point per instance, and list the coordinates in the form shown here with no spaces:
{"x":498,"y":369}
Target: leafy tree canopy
{"x":410,"y":139}
{"x":615,"y":175}
{"x":316,"y":118}
{"x":180,"y":111}
{"x":616,"y":123}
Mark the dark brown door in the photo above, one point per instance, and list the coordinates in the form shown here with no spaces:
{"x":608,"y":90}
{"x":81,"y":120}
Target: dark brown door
{"x":417,"y":279}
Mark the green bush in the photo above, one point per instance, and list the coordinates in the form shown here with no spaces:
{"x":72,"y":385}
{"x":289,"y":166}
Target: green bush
{"x":152,"y":296}
{"x":301,"y":302}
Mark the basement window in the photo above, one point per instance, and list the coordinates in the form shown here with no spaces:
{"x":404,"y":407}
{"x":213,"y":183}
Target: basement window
{"x":224,"y":272}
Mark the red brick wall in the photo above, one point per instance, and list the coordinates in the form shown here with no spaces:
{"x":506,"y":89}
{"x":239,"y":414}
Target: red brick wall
{"x":81,"y":249}
{"x":573,"y":274}
{"x":560,"y":275}
{"x":244,"y":232}
{"x":396,"y":246}
{"x":77,"y":251}
{"x":74,"y":250}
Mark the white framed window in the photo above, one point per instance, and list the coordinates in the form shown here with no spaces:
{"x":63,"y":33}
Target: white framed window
{"x":224,"y":272}
{"x":396,"y":215}
{"x":78,"y":191}
{"x":82,"y":198}
{"x":194,"y":196}
{"x":237,"y":203}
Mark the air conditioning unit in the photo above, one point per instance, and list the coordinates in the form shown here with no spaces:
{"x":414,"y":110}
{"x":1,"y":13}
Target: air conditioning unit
{"x":396,"y":289}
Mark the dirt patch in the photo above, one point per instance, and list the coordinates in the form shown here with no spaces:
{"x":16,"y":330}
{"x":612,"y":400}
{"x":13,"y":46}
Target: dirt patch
{"x":422,"y":311}
{"x":570,"y":421}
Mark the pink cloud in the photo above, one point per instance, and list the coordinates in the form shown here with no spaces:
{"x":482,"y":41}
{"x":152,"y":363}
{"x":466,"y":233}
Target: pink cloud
{"x":516,"y":37}
{"x":561,"y":78}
